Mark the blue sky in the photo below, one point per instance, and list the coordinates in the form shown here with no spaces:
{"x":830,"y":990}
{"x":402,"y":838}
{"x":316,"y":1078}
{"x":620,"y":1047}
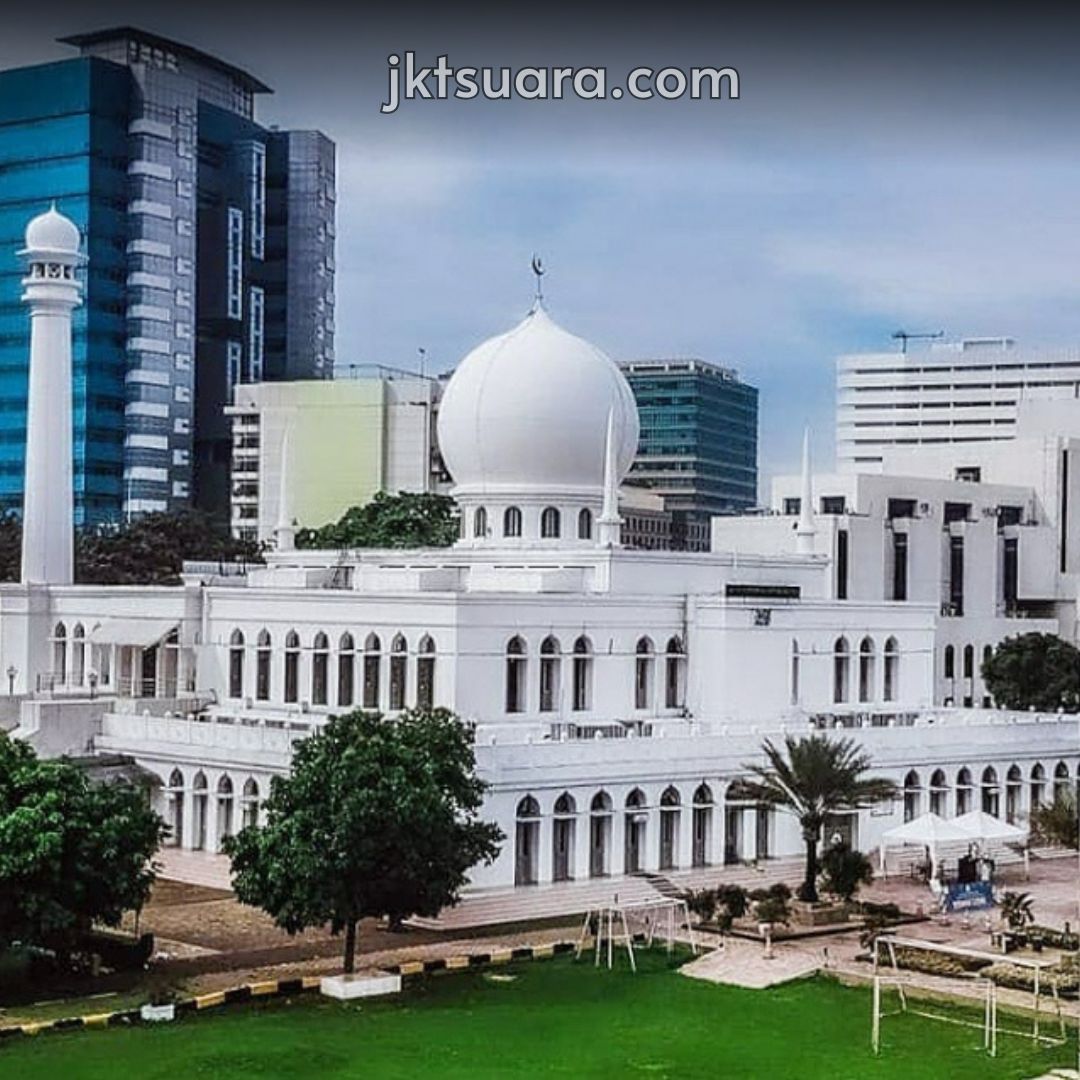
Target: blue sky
{"x":921,"y":173}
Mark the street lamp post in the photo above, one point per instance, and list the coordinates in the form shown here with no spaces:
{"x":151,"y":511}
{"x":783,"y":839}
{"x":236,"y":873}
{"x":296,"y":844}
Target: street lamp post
{"x":12,"y":671}
{"x":93,"y":680}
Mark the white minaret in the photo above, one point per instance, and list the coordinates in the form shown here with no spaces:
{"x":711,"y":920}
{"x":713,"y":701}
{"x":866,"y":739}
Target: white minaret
{"x":52,"y":292}
{"x":285,"y":530}
{"x":806,"y":530}
{"x":609,"y":533}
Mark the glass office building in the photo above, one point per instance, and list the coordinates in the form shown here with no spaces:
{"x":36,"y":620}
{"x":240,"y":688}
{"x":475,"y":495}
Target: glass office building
{"x":698,"y":445}
{"x":152,"y":148}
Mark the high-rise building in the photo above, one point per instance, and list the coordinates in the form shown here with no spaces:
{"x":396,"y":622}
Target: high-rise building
{"x":210,"y":241}
{"x":952,"y":392}
{"x":698,"y":443}
{"x":341,"y":442}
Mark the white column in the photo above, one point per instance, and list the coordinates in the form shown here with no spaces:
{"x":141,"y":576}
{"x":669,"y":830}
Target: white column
{"x":546,"y":848}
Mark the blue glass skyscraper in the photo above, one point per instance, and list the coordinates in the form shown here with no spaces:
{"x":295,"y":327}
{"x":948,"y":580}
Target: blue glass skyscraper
{"x":202,"y":271}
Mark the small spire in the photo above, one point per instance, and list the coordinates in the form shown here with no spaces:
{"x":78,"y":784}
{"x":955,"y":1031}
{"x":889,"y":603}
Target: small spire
{"x":805,"y":530}
{"x":285,"y":530}
{"x":610,"y":530}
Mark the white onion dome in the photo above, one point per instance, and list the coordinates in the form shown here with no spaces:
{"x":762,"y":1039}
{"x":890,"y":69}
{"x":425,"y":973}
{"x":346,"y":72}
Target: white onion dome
{"x":526,"y":414}
{"x":52,"y":233}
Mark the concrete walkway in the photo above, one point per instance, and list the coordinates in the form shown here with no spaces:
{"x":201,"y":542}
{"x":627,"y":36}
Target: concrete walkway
{"x":195,"y":868}
{"x":743,"y":963}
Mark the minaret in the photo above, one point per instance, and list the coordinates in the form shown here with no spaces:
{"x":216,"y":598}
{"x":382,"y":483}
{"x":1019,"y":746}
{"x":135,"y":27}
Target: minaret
{"x":51,"y":291}
{"x":805,"y":531}
{"x":285,"y":530}
{"x":609,"y":533}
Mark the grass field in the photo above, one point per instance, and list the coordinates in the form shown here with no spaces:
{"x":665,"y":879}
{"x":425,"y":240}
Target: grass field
{"x":552,"y":1018}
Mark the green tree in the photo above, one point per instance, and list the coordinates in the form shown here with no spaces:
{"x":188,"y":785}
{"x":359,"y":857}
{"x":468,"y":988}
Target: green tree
{"x":407,"y":520}
{"x":10,"y":547}
{"x":72,"y":852}
{"x":152,"y":548}
{"x":818,"y":777}
{"x":1034,"y":671}
{"x":376,"y":817}
{"x":1056,"y":823}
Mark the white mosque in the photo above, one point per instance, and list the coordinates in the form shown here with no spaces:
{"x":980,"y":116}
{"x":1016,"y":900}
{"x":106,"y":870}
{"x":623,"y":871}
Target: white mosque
{"x":616,"y":693}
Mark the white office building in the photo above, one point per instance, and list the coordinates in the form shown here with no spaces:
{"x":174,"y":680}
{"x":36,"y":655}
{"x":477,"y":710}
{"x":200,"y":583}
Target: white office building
{"x":942,"y":394}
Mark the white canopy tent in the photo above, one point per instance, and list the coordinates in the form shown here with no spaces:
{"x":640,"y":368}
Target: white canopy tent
{"x":929,"y":831}
{"x":979,"y":825}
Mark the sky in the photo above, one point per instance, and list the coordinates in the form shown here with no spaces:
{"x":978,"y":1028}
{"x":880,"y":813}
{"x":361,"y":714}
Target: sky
{"x":911,"y":170}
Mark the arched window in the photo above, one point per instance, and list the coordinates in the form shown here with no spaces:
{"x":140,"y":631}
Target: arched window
{"x":174,"y":808}
{"x":399,"y":668}
{"x":224,"y":809}
{"x":550,"y":674}
{"x":292,"y":666}
{"x":346,"y":677}
{"x":511,"y":522}
{"x":199,"y":798}
{"x":600,"y":818}
{"x":670,"y":815}
{"x":701,"y":825}
{"x":262,"y":666}
{"x":950,"y":662}
{"x":1038,"y":785}
{"x":527,"y":854}
{"x":866,"y":669}
{"x":78,"y":655}
{"x":515,"y":675}
{"x":320,"y":670}
{"x":563,"y":828}
{"x":372,"y":669}
{"x":249,"y":803}
{"x":795,"y":692}
{"x":425,"y":673}
{"x":1061,"y":781}
{"x":635,"y":824}
{"x":480,"y":524}
{"x":584,"y":524}
{"x":565,"y":804}
{"x":60,"y":653}
{"x":969,"y":661}
{"x":583,"y":675}
{"x":236,"y":664}
{"x":550,"y":524}
{"x":964,"y":789}
{"x":1014,"y":786}
{"x":990,"y":794}
{"x":892,"y":670}
{"x":644,"y":666}
{"x":987,"y":656}
{"x":939,"y":792}
{"x":841,"y":671}
{"x":912,"y":796}
{"x":674,"y":674}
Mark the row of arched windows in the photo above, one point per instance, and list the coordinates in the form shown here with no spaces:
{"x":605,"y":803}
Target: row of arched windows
{"x":866,"y":686}
{"x":550,"y":523}
{"x":599,"y":821}
{"x":967,"y":672}
{"x":988,"y":790}
{"x":582,"y":660}
{"x":231,"y":813}
{"x":344,"y":660}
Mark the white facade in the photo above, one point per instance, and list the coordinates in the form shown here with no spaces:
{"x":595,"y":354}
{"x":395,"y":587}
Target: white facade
{"x":615,"y":693}
{"x":944,"y":394}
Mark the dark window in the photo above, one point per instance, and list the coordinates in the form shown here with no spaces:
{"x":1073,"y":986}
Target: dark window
{"x":1009,"y":515}
{"x":515,"y":676}
{"x":792,"y":506}
{"x":292,"y":668}
{"x":901,"y":508}
{"x":399,"y":659}
{"x":842,"y":564}
{"x":957,"y":512}
{"x":956,"y":574}
{"x":900,"y":566}
{"x":950,"y":662}
{"x":1010,"y":570}
{"x":972,"y":474}
{"x":833,"y":504}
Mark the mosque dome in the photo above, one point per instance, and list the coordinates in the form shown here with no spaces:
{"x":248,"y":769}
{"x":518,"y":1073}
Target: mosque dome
{"x":52,"y":233}
{"x":525,"y":415}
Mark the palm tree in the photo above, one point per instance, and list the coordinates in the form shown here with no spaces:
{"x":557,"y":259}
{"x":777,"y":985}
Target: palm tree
{"x":1056,"y":822}
{"x":812,"y":778}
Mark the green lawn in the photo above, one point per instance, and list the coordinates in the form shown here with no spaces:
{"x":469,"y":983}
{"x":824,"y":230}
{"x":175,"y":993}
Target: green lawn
{"x":554,"y":1018}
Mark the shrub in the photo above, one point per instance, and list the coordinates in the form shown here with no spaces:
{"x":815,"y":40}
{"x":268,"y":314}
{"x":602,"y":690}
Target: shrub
{"x":702,"y":902}
{"x":889,"y":911}
{"x":772,"y":909}
{"x":844,"y":871}
{"x":734,"y":898}
{"x":1016,"y":910}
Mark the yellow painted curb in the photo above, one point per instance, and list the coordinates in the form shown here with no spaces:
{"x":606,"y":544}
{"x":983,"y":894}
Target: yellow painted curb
{"x":97,"y":1020}
{"x":33,"y":1029}
{"x":455,"y":963}
{"x":413,"y":967}
{"x":542,"y":952}
{"x":311,"y":982}
{"x":260,"y":988}
{"x":208,"y":1001}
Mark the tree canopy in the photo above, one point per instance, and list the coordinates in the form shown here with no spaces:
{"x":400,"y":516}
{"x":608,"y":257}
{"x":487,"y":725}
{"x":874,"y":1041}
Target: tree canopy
{"x":149,"y":550}
{"x":376,"y":818}
{"x":813,"y":777}
{"x":1056,"y":823}
{"x":1034,"y":671}
{"x":72,"y":852}
{"x":406,"y":520}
